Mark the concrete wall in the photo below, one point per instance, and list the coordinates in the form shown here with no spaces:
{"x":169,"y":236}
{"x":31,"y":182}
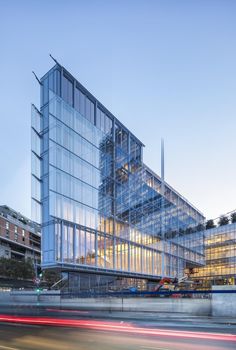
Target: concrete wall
{"x":34,"y":297}
{"x":165,"y":305}
{"x":201,"y":307}
{"x":224,"y":304}
{"x":5,"y":297}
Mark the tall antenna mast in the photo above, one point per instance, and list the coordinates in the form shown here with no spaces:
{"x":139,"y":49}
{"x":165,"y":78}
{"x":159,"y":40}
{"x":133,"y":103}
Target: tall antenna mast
{"x":162,"y":161}
{"x":162,"y":206}
{"x":162,"y":186}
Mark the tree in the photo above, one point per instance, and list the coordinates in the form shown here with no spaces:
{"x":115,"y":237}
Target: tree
{"x":17,"y":269}
{"x":210,"y":224}
{"x":51,"y":277}
{"x":189,"y":230}
{"x":224,"y":220}
{"x":200,"y":227}
{"x":233,"y":217}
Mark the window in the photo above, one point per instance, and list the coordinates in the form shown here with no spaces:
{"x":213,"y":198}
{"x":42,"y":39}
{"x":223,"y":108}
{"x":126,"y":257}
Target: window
{"x":92,"y":112}
{"x":23,"y":235}
{"x":67,"y":90}
{"x":89,"y":110}
{"x":7,"y":225}
{"x":104,"y":122}
{"x":16,"y":236}
{"x":79,"y":101}
{"x":84,"y":105}
{"x":77,"y":97}
{"x":15,"y":229}
{"x":54,"y":81}
{"x":121,"y":138}
{"x":45,"y":91}
{"x":135,"y":150}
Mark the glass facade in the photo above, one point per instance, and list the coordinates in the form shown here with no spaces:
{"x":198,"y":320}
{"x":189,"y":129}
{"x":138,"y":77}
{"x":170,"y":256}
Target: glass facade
{"x":220,"y":255}
{"x":101,"y":208}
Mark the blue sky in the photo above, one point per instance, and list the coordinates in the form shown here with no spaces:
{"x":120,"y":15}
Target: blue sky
{"x":164,"y":68}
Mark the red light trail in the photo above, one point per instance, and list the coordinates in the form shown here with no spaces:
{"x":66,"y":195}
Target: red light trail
{"x":115,"y":327}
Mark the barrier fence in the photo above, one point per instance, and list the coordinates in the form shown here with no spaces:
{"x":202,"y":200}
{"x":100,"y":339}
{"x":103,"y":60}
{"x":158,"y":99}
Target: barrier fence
{"x":123,"y":294}
{"x":127,"y":294}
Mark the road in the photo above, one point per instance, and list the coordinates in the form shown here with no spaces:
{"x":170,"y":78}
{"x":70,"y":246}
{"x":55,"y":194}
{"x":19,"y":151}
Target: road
{"x":22,"y":337}
{"x":91,"y":334}
{"x":25,"y":328}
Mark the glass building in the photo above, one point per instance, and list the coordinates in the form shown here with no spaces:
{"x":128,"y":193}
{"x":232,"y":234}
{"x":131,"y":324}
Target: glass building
{"x":220,"y":257}
{"x":101,"y":208}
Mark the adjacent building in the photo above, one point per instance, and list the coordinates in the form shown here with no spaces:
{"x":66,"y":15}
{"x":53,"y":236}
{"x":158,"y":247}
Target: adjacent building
{"x":220,"y":256}
{"x":102,"y":210}
{"x":19,"y":236}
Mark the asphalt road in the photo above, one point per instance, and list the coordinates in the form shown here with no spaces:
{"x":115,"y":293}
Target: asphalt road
{"x":143,"y":319}
{"x":34,"y":337}
{"x":24,"y":328}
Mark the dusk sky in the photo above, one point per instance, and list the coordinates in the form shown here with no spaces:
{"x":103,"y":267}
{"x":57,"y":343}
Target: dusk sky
{"x":164,"y":68}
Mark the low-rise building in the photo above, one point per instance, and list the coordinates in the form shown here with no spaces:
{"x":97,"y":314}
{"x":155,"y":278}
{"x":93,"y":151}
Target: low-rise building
{"x":19,"y":236}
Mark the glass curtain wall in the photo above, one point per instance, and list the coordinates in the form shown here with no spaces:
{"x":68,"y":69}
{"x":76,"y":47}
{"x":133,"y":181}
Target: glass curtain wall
{"x":220,"y":256}
{"x":101,"y":206}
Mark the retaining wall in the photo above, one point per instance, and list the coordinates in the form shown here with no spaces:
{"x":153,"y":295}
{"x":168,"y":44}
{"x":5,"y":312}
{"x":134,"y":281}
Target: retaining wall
{"x":224,"y":304}
{"x":221,"y":304}
{"x":34,"y":297}
{"x":164,"y":305}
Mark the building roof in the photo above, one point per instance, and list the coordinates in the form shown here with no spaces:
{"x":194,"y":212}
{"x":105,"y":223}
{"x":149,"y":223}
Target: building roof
{"x":92,"y":97}
{"x":6,"y":211}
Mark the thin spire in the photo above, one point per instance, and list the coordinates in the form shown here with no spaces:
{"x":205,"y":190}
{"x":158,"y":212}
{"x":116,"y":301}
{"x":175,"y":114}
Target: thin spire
{"x":55,"y":60}
{"x":162,"y":207}
{"x":162,"y":188}
{"x":162,"y":160}
{"x":36,"y":78}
